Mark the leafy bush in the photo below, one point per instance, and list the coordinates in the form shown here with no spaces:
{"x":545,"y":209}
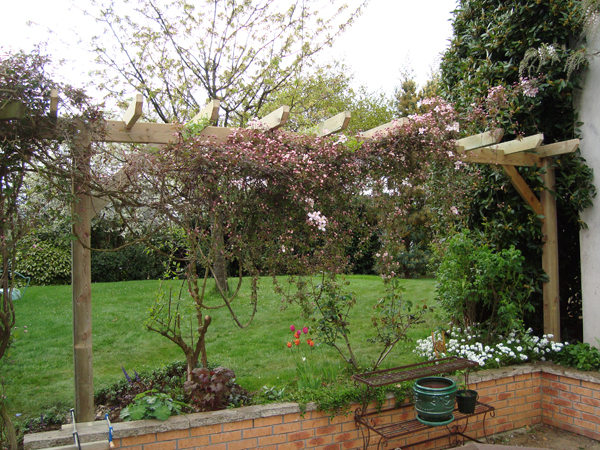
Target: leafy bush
{"x":581,"y":356}
{"x":211,"y":390}
{"x":477,"y":285}
{"x":45,"y":263}
{"x":130,"y":263}
{"x":151,"y":405}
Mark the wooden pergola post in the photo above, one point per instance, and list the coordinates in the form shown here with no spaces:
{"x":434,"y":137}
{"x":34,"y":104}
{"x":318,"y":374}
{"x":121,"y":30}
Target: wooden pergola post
{"x":550,"y":253}
{"x":82,"y":281}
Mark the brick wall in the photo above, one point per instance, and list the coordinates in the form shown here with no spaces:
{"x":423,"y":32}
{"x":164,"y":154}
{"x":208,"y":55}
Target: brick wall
{"x":522,"y":395}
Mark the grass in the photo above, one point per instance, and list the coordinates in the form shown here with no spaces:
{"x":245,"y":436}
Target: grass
{"x":38,"y":372}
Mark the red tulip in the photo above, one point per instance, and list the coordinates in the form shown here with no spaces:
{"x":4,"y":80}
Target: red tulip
{"x":297,"y":342}
{"x":289,"y":344}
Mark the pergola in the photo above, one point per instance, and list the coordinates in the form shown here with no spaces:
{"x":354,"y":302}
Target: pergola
{"x":482,"y":148}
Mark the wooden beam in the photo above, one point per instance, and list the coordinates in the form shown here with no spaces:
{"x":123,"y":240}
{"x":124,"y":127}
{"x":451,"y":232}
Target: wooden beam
{"x":383,"y":130}
{"x":481,"y":140}
{"x":82,"y":282}
{"x":153,"y":133}
{"x":550,"y":254}
{"x":277,"y":118}
{"x":523,"y":189}
{"x":558,"y":148}
{"x":488,"y":156}
{"x":134,"y":112}
{"x":13,"y":110}
{"x":519,"y":145}
{"x":210,"y":111}
{"x":54,"y":103}
{"x":334,"y":124}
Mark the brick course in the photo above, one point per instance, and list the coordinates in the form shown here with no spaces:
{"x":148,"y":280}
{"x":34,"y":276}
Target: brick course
{"x":522,"y":395}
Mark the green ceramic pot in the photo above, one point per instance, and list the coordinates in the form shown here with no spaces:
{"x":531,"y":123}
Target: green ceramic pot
{"x":434,"y":400}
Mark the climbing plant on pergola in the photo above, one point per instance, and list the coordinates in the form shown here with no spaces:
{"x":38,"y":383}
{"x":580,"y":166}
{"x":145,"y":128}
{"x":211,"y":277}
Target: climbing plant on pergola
{"x":483,"y":148}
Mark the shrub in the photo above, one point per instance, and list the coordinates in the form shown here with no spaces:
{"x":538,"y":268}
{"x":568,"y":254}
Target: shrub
{"x":45,"y":264}
{"x":479,"y":285}
{"x":581,"y":356}
{"x":211,"y":390}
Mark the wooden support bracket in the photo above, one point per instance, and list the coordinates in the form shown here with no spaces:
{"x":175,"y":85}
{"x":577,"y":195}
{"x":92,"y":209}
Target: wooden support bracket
{"x":334,"y":124}
{"x":277,"y":118}
{"x":524,"y":190}
{"x":210,"y":111}
{"x":383,"y":130}
{"x":134,"y":112}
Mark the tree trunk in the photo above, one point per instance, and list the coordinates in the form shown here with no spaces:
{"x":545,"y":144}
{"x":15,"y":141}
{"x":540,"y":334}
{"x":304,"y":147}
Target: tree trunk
{"x":10,"y":429}
{"x":220,"y":265}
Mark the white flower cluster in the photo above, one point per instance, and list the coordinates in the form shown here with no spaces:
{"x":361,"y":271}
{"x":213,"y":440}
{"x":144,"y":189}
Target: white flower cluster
{"x":517,"y":347}
{"x":318,"y":219}
{"x":530,"y":88}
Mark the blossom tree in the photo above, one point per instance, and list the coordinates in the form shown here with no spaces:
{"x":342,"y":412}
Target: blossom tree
{"x":287,"y":204}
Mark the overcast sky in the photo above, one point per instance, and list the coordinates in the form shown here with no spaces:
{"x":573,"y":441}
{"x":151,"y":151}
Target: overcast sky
{"x":391,"y":35}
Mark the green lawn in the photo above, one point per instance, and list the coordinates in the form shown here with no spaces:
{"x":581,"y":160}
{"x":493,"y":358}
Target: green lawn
{"x":38,"y":372}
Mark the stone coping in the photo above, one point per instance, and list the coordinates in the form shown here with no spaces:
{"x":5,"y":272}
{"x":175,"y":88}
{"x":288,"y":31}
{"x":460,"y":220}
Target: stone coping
{"x":97,"y":431}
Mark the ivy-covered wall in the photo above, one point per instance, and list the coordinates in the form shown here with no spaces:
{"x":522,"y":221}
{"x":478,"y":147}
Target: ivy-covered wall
{"x":491,"y":38}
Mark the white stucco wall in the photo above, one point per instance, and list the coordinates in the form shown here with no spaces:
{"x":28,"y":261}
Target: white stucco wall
{"x":589,"y":113}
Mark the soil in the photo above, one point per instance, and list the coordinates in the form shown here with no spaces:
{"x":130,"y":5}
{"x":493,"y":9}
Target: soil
{"x":544,"y":436}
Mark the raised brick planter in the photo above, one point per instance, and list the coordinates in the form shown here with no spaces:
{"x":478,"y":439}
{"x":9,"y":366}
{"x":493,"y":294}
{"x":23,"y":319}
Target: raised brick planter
{"x":522,"y":395}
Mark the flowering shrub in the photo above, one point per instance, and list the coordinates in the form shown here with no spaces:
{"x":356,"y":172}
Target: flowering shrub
{"x":515,"y":348}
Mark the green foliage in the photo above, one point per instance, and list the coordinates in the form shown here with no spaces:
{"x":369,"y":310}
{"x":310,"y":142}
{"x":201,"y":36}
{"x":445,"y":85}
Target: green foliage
{"x":168,"y":379}
{"x":46,"y":264}
{"x":272,"y":394}
{"x":314,"y":375}
{"x":491,"y":38}
{"x":581,"y":355}
{"x":151,"y":405}
{"x":326,"y":91}
{"x":479,"y":285}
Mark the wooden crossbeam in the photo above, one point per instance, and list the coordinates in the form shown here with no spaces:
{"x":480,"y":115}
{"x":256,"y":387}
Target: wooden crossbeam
{"x":54,"y":103}
{"x":481,"y":140}
{"x":519,"y":145}
{"x":334,"y":124}
{"x":383,"y":130}
{"x":277,"y":118}
{"x":210,"y":111}
{"x":487,"y":156}
{"x":13,"y":110}
{"x":558,"y":148}
{"x":134,"y":112}
{"x":154,"y":133}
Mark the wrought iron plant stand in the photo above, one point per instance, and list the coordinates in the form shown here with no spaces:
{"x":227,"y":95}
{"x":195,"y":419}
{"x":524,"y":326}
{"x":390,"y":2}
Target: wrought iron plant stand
{"x":365,"y":419}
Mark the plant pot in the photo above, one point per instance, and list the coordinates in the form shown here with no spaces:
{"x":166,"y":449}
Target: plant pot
{"x":434,"y":400}
{"x":466,"y":400}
